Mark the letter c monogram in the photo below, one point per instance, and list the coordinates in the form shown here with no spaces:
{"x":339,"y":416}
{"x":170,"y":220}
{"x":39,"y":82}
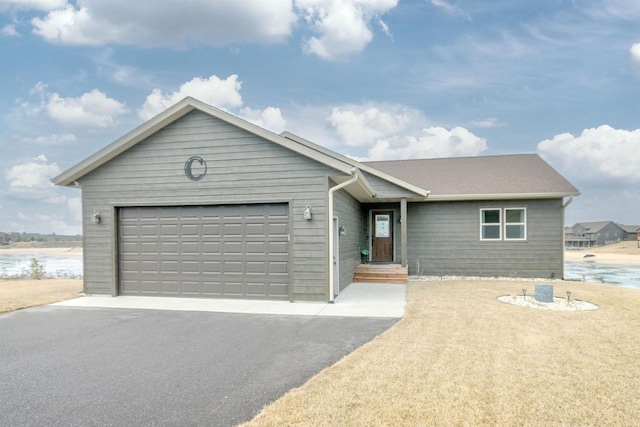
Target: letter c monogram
{"x":189,"y":173}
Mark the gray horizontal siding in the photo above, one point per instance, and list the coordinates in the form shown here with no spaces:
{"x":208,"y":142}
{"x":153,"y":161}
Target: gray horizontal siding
{"x":385,"y":189}
{"x":350,"y":215}
{"x":241,"y":168}
{"x":444,"y":238}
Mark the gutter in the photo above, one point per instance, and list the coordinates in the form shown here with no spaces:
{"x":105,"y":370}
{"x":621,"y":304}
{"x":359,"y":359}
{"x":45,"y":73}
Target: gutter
{"x":356,"y":175}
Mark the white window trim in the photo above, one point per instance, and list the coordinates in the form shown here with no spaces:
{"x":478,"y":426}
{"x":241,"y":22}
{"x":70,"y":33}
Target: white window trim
{"x":524,"y":223}
{"x":499,"y":224}
{"x":503,"y":224}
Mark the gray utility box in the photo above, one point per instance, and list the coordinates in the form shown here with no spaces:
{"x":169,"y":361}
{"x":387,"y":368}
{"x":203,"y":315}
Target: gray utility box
{"x":544,"y":293}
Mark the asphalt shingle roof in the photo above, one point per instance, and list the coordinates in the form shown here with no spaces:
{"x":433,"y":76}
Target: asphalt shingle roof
{"x":519,"y":174}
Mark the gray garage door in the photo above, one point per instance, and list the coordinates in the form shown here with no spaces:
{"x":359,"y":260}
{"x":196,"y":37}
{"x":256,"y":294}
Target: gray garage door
{"x":235,"y":251}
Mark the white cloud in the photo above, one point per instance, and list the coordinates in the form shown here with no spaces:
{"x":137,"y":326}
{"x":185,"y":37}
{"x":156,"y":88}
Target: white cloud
{"x":91,"y":109}
{"x":387,"y":132}
{"x":489,"y":122}
{"x":223,"y":94}
{"x":270,"y":118}
{"x":176,"y":23}
{"x":9,"y":30}
{"x":360,"y":126}
{"x":52,"y":139}
{"x":635,"y":56}
{"x":434,"y":142}
{"x":600,"y":154}
{"x":32,"y":180}
{"x":343,"y":26}
{"x":450,"y":9}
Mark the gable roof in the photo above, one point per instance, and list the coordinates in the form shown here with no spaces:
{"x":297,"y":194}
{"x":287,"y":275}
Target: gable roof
{"x":630,"y":228}
{"x":594,"y":226}
{"x":359,"y":165}
{"x":486,"y":177}
{"x":462,"y":178}
{"x":342,"y":164}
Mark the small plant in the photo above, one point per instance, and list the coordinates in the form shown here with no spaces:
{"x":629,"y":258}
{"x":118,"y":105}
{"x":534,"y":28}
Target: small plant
{"x":36,"y":269}
{"x":364,"y":254}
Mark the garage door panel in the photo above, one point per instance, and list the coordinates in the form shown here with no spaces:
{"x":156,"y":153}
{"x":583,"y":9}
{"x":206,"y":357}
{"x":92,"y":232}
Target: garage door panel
{"x":189,"y":230}
{"x":233,"y":288}
{"x":211,"y":248}
{"x":190,"y":266}
{"x":211,"y":230}
{"x":278,"y":230}
{"x":169,"y":266}
{"x":232,"y":230}
{"x":281,"y":248}
{"x":256,"y":289}
{"x":170,"y":287}
{"x":276,"y":289}
{"x":211,"y":288}
{"x":190,"y":248}
{"x":192,"y":288}
{"x":276,"y":267}
{"x":211,"y":267}
{"x":169,"y":248}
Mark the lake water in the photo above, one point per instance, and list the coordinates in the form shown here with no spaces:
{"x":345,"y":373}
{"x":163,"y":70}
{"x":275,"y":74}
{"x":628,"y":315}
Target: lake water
{"x":62,"y":267}
{"x":627,"y":275}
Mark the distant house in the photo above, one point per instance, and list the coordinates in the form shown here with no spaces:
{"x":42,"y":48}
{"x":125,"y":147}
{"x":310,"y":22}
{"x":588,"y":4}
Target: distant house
{"x":632,"y":231}
{"x":6,"y":239}
{"x":598,"y":233}
{"x":199,"y":203}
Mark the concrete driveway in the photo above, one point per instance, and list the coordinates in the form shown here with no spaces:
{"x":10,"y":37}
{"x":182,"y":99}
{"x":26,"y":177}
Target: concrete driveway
{"x":77,"y":366}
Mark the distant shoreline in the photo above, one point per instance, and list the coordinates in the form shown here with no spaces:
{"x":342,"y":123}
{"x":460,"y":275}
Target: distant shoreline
{"x":574,"y":256}
{"x":54,"y":252}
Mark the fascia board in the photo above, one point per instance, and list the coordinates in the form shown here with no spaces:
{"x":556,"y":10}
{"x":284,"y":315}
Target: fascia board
{"x":501,"y":196}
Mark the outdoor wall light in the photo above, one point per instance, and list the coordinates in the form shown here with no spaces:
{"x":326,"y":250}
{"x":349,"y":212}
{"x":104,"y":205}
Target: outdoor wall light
{"x":307,"y":213}
{"x":95,"y":218}
{"x":342,"y":230}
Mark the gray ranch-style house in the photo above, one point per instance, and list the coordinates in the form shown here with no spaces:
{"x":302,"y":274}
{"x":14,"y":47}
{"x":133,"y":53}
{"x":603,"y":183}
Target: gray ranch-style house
{"x":199,"y":203}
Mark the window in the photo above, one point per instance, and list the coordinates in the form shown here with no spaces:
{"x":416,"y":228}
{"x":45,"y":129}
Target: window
{"x":503,"y":224}
{"x":490,"y":224}
{"x":515,"y":224}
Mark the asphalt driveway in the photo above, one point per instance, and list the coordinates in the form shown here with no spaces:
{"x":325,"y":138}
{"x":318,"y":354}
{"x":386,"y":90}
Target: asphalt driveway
{"x":116,"y":367}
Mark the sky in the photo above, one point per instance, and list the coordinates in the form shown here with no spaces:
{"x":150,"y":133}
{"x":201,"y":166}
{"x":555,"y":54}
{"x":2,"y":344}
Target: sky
{"x":371,"y":79}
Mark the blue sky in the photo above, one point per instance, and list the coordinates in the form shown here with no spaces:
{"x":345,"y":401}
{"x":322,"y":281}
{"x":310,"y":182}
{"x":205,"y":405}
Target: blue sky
{"x":373,"y":79}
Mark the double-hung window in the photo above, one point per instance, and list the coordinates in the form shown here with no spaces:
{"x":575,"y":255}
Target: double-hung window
{"x":515,"y":224}
{"x":490,"y":224}
{"x":503,"y":224}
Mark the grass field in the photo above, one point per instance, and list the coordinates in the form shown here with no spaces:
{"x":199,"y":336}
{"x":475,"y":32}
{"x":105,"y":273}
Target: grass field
{"x":18,"y":294}
{"x":460,"y":357}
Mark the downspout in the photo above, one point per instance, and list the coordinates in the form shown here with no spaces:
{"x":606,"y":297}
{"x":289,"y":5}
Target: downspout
{"x":332,"y":190}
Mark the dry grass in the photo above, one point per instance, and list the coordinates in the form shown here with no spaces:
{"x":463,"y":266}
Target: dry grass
{"x":626,"y":248}
{"x":460,"y":357}
{"x":17,"y":294}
